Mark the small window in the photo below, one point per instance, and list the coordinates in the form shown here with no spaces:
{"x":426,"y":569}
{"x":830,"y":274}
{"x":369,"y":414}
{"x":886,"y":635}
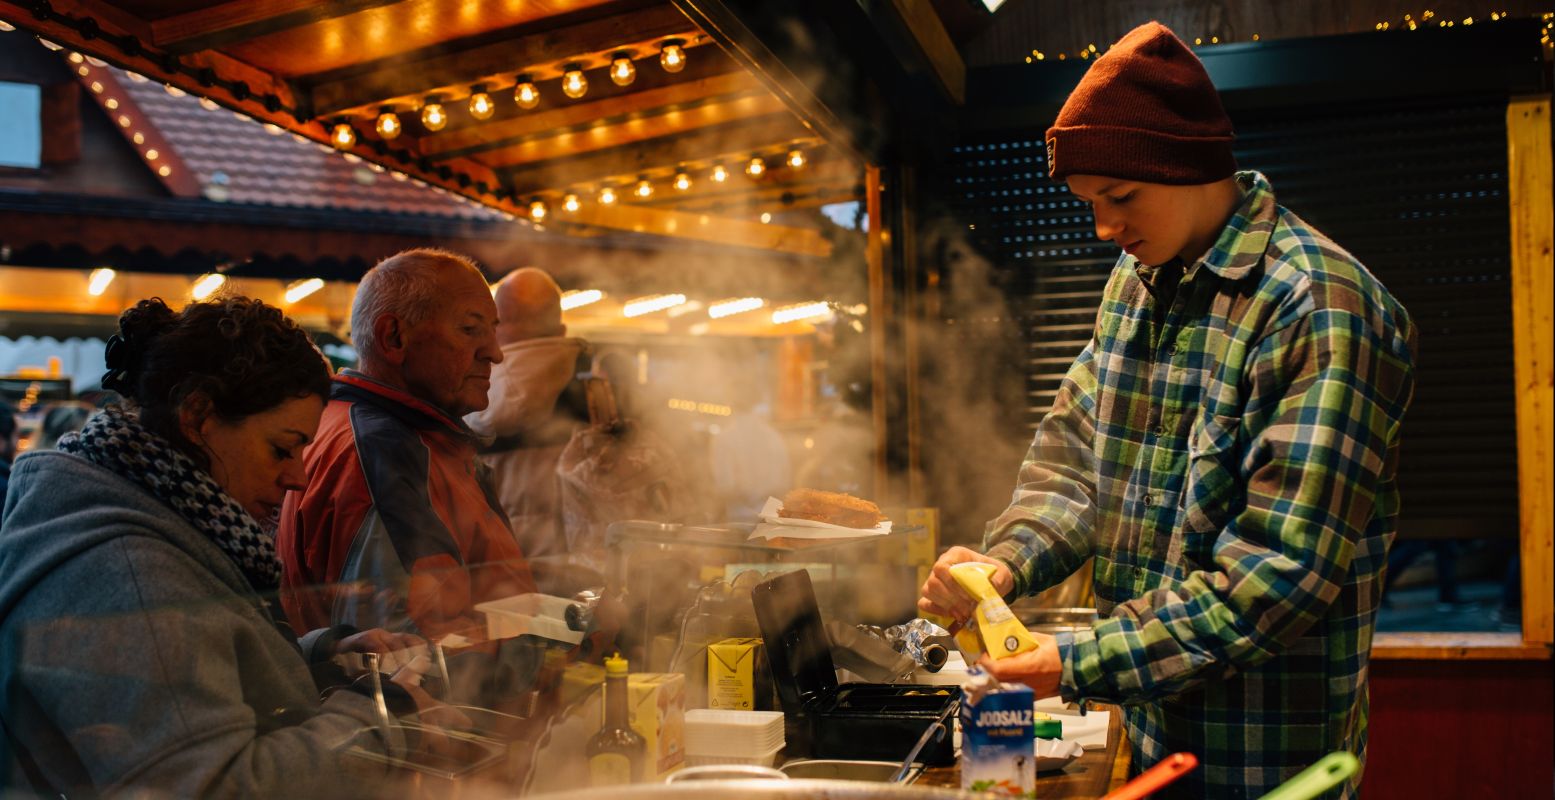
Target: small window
{"x":21,"y":137}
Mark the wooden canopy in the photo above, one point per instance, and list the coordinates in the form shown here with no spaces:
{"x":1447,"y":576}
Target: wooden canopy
{"x":666,"y":110}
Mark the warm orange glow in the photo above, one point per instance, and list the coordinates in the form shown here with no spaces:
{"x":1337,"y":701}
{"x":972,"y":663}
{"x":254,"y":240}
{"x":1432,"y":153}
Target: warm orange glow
{"x":98,"y":282}
{"x":481,"y":106}
{"x":574,"y":85}
{"x":303,"y":288}
{"x":343,"y":135}
{"x":622,"y":70}
{"x":388,"y":124}
{"x":673,"y":56}
{"x":432,"y":114}
{"x":207,"y":285}
{"x":525,"y":94}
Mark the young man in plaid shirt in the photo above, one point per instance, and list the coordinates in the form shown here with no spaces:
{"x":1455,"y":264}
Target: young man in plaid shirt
{"x":1225,"y":448}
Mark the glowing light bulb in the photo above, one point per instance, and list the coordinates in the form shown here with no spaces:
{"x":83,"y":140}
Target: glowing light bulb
{"x":98,"y":282}
{"x":343,"y":135}
{"x":571,"y":203}
{"x":432,"y":114}
{"x":481,"y":106}
{"x":729,"y":308}
{"x":719,"y":174}
{"x":651,"y":304}
{"x":796,"y":158}
{"x":302,"y":289}
{"x":672,"y":56}
{"x":207,"y":285}
{"x":756,"y":167}
{"x":622,"y":70}
{"x":574,"y":85}
{"x":388,"y":124}
{"x":644,"y":189}
{"x":578,"y":299}
{"x":801,"y":311}
{"x":537,"y":210}
{"x":525,"y":94}
{"x":607,"y":196}
{"x":682,"y":181}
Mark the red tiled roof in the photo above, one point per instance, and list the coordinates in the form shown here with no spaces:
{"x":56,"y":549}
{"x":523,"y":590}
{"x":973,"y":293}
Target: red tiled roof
{"x":239,"y":160}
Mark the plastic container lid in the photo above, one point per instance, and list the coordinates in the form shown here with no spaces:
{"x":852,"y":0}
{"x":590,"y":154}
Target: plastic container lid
{"x":766,"y":759}
{"x":615,"y":665}
{"x":720,"y":732}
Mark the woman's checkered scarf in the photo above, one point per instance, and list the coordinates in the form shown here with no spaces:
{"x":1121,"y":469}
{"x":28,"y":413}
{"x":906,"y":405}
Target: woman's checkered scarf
{"x":115,"y":440}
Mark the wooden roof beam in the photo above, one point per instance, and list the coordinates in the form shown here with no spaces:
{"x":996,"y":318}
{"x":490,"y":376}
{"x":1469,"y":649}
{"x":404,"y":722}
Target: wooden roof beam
{"x":637,"y":128}
{"x":779,"y":179}
{"x":240,"y":20}
{"x":700,"y":227}
{"x":703,"y":146}
{"x":928,"y":32}
{"x":770,"y":198}
{"x":518,"y":49}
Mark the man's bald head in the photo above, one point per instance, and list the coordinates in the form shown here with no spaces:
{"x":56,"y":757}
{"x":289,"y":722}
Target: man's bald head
{"x":529,"y":306}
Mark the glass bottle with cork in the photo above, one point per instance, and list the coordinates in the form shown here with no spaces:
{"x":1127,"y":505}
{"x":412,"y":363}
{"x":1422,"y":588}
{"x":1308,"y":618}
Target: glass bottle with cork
{"x":616,"y":754}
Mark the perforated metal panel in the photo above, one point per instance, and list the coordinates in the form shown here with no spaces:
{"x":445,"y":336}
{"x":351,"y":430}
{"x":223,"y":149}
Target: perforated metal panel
{"x":1416,"y":190}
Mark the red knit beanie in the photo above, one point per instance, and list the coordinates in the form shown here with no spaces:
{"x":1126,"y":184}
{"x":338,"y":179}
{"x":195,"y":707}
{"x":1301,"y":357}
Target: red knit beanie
{"x":1145,"y":111}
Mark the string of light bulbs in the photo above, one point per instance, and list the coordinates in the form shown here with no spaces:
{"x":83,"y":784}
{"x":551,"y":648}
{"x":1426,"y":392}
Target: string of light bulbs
{"x":1426,"y":19}
{"x":644,"y":188}
{"x":526,"y":95}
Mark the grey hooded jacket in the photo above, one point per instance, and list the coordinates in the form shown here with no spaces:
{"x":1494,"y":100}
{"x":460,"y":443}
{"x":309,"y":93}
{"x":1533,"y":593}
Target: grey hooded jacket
{"x":135,"y":658}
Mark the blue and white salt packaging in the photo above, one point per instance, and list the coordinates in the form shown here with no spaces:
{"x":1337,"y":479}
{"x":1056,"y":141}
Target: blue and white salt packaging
{"x":998,"y":737}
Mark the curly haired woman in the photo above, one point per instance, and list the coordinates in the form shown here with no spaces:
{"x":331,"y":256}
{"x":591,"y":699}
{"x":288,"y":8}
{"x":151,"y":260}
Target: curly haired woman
{"x":140,"y":655}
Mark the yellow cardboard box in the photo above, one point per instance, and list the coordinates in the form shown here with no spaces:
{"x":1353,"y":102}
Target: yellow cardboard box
{"x":656,"y":706}
{"x":731,"y":673}
{"x":658,"y":714}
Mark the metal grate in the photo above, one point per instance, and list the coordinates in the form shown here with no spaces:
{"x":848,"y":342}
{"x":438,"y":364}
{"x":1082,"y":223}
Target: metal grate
{"x":1416,"y":190}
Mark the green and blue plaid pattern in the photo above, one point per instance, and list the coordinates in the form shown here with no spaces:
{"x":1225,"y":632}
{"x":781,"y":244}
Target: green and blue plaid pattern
{"x":1230,"y":465}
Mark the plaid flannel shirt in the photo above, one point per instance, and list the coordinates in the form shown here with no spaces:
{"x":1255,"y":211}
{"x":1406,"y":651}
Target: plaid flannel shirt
{"x":1229,"y":461}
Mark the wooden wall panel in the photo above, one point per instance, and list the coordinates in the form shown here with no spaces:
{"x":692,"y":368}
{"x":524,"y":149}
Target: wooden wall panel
{"x":1468,"y":730}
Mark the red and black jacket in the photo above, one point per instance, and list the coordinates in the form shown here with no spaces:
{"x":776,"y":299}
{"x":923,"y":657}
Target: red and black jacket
{"x":399,"y":527}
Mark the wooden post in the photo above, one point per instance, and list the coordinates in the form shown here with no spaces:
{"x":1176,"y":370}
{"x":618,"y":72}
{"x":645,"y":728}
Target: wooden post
{"x":1529,"y":182}
{"x":879,"y":316}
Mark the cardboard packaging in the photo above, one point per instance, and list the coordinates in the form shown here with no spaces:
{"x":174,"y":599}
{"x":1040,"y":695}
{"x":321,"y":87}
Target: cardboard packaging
{"x":998,"y":742}
{"x":657,"y":709}
{"x":738,"y":676}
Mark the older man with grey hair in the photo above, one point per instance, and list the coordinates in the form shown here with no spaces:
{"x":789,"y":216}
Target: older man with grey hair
{"x":399,"y":526}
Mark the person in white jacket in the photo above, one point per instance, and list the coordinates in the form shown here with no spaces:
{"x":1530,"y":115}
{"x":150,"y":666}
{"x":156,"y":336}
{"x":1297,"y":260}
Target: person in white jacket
{"x":528,"y":420}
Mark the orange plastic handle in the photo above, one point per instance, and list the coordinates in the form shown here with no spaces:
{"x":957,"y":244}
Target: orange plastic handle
{"x":1152,"y":780}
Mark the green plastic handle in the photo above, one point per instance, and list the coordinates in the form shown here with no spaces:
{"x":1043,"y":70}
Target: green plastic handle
{"x":1327,"y":773}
